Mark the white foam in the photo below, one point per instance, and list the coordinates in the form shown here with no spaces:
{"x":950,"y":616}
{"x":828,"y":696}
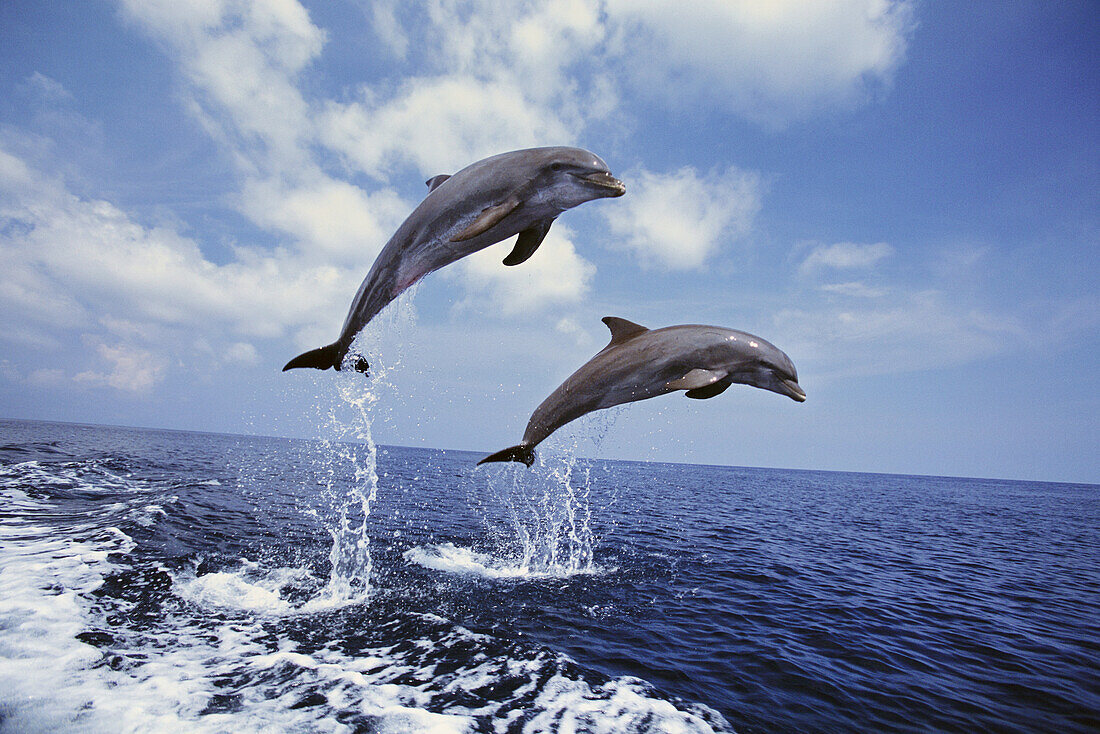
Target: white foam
{"x":51,"y":681}
{"x":619,"y":705}
{"x":165,"y":674}
{"x":44,"y":577}
{"x":230,"y":590}
{"x":48,"y":681}
{"x":150,"y":514}
{"x":251,"y":589}
{"x":450,"y":558}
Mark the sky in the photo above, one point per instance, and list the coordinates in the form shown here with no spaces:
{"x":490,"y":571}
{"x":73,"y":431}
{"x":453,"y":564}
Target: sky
{"x":902,"y":196}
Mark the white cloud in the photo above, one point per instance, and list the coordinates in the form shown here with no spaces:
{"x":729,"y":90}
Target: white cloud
{"x":46,"y":89}
{"x":845,"y":256}
{"x":913,"y":332}
{"x":855,"y":289}
{"x":767,"y":61}
{"x":81,"y":265}
{"x":14,"y":173}
{"x":91,"y":253}
{"x":680,"y":219}
{"x":481,"y":77}
{"x":532,"y":42}
{"x":46,"y":377}
{"x":77,"y":265}
{"x":330,"y":219}
{"x":129,"y":370}
{"x":243,"y":63}
{"x":242,"y":58}
{"x":555,"y":274}
{"x":490,"y":77}
{"x":242,"y":353}
{"x":569,"y":327}
{"x":551,"y":38}
{"x":388,"y":28}
{"x":438,"y":124}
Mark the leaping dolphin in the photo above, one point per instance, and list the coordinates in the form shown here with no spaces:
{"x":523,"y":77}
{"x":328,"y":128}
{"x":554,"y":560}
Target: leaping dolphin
{"x":521,"y":192}
{"x":640,"y":363}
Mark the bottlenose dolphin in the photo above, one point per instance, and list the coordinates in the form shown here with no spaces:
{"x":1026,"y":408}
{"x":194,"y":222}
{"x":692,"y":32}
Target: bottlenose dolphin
{"x":521,"y":192}
{"x":639,"y":363}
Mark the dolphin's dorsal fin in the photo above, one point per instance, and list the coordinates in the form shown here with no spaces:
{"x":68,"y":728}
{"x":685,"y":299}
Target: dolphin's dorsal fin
{"x":434,"y":181}
{"x":621,"y":329}
{"x":528,"y":241}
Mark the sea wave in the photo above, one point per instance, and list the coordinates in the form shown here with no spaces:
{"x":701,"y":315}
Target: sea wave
{"x":450,"y":558}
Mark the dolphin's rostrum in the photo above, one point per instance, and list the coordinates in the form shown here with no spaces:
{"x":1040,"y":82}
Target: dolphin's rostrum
{"x":520,"y":192}
{"x":640,"y":363}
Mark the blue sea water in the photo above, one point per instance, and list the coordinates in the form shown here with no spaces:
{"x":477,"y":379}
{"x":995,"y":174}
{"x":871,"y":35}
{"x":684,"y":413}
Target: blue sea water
{"x":170,"y":581}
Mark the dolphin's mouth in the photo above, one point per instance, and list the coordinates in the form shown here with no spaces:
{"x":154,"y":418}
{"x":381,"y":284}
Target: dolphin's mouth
{"x":605,"y":180}
{"x":793,"y":390}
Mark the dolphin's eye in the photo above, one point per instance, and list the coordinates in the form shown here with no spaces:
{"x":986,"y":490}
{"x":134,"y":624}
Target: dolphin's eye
{"x":556,"y":166}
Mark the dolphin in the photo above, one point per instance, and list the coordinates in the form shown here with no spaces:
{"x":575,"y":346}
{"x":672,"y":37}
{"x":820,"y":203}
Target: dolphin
{"x":640,"y":363}
{"x":521,"y":192}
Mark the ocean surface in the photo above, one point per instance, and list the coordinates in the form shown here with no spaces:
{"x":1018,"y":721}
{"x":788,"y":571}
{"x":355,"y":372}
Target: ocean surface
{"x":171,"y":581}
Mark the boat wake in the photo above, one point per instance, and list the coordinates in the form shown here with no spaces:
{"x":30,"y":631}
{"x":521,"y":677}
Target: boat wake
{"x":101,"y":634}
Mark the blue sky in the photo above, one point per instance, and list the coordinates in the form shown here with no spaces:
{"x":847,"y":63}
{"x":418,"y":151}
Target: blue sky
{"x":902,"y":196}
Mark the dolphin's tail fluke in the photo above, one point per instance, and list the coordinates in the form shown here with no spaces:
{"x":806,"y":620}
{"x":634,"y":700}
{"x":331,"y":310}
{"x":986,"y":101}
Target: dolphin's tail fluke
{"x":522,"y":453}
{"x":322,"y":358}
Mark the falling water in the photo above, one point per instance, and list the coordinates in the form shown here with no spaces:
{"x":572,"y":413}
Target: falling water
{"x":347,"y":462}
{"x":546,"y":524}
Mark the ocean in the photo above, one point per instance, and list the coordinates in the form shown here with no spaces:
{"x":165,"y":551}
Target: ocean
{"x":169,"y":581}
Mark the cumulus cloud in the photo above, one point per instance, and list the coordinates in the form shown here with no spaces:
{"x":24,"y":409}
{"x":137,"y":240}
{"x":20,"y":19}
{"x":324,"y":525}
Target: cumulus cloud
{"x":242,"y":61}
{"x":844,"y":256}
{"x":130,"y":369}
{"x":767,"y":61}
{"x":438,"y":124}
{"x":331,"y":219}
{"x":480,"y":77}
{"x":679,"y":220}
{"x":243,"y":64}
{"x":534,"y":42}
{"x":388,"y":28}
{"x":492,"y":77}
{"x":84,"y":266}
{"x":555,"y":274}
{"x":485,"y":78}
{"x":70,"y":247}
{"x":770,"y":62}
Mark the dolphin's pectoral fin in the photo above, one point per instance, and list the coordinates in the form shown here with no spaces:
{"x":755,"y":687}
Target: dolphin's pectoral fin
{"x":697,"y":379}
{"x":527,"y":242}
{"x":434,"y":181}
{"x":621,"y":329}
{"x":702,"y":393}
{"x":487,"y":219}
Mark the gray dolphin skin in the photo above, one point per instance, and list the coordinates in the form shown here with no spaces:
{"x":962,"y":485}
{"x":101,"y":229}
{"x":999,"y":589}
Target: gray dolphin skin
{"x":640,"y":363}
{"x":521,"y":192}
